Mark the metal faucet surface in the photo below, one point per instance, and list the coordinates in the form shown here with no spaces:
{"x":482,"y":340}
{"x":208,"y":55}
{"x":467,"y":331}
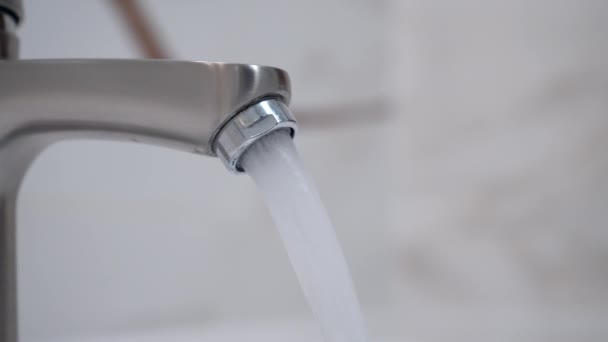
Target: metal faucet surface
{"x":213,"y":109}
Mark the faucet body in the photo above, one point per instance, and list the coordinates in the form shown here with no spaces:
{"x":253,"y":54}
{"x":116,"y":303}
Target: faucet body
{"x":175,"y":104}
{"x":213,"y":109}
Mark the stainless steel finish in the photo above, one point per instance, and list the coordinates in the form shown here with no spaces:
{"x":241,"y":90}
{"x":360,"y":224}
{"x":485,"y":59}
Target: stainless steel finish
{"x":172,"y":103}
{"x":248,"y":126}
{"x":9,"y":43}
{"x":181,"y":105}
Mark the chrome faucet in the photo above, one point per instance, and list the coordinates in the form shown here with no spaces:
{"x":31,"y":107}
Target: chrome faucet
{"x":212,"y":109}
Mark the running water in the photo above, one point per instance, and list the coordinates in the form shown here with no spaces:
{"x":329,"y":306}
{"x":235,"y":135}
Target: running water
{"x":308,"y":236}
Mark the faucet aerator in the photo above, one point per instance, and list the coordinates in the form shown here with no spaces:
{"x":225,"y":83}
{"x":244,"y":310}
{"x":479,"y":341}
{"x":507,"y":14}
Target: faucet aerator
{"x":249,"y":125}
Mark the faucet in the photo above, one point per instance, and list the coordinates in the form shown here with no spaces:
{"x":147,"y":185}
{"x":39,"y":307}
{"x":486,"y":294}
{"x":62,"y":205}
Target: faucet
{"x":211,"y":109}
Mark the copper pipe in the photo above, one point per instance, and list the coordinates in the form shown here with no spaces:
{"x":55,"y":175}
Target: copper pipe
{"x":142,"y":30}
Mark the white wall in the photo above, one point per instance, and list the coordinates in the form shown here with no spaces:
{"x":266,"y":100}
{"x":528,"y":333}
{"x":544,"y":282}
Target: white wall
{"x":499,"y":198}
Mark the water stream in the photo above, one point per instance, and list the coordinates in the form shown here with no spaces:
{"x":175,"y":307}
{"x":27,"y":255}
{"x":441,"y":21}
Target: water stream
{"x":308,"y":236}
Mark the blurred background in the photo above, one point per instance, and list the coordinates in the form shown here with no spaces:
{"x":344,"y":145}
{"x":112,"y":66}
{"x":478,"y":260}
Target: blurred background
{"x":460,"y":148}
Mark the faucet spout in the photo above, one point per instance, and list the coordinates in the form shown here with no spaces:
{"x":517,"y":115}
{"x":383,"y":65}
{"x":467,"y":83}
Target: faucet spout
{"x":173,"y":103}
{"x":200,"y":107}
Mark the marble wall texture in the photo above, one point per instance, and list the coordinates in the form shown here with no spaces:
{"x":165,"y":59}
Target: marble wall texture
{"x":500,"y":178}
